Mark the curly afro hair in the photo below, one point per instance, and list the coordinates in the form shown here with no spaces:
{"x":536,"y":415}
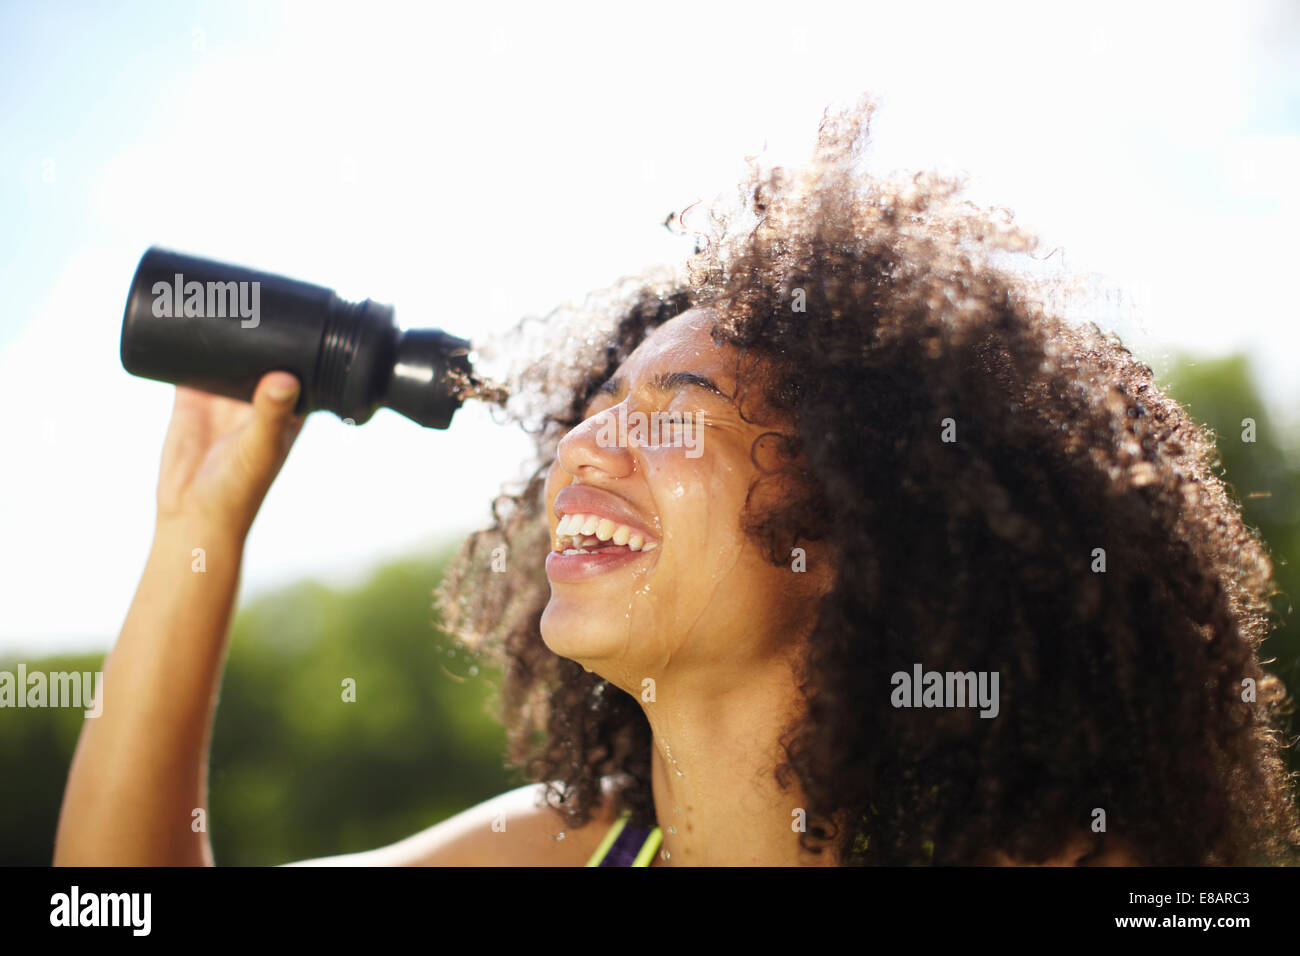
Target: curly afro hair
{"x":1068,"y":535}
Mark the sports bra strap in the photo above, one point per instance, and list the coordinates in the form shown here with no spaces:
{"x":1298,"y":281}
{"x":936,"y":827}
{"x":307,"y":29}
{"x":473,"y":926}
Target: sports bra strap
{"x":625,"y":845}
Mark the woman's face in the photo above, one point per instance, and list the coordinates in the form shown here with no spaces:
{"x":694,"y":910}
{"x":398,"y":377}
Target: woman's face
{"x":662,"y":459}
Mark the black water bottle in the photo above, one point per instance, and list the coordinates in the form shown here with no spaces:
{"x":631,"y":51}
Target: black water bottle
{"x":220,"y":328}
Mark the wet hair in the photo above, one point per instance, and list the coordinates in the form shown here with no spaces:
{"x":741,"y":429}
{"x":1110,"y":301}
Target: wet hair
{"x":1069,"y":535}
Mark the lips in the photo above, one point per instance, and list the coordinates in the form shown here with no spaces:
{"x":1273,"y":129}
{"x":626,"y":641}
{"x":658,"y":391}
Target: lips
{"x":582,"y":566}
{"x":596,"y":532}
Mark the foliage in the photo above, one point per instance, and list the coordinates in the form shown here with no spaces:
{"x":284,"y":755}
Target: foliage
{"x":297,"y":772}
{"x":1266,"y":481}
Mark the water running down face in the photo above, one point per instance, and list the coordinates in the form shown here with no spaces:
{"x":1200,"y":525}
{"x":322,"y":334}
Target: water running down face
{"x":698,"y":600}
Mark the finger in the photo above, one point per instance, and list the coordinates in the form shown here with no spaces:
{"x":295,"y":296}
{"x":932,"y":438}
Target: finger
{"x":274,"y":423}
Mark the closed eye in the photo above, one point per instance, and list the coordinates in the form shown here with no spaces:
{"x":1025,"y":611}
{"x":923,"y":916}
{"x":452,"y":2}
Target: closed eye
{"x":666,"y":383}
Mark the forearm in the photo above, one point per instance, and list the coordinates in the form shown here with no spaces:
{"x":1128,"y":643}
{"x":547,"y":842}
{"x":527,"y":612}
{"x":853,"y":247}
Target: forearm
{"x":140,"y":768}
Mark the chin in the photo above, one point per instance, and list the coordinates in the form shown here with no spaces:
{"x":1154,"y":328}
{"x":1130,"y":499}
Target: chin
{"x":571,"y":630}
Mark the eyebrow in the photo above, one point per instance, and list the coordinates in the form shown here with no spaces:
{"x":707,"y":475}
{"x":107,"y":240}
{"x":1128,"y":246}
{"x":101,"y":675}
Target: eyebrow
{"x":668,"y":382}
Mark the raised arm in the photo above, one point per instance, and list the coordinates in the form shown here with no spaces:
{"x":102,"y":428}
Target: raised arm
{"x":137,"y":785}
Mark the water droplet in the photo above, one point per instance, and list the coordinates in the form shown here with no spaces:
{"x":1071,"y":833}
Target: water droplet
{"x":672,"y":829}
{"x":560,"y":836}
{"x":668,"y":752}
{"x":667,"y":855}
{"x":473,"y":671}
{"x":677,"y":809}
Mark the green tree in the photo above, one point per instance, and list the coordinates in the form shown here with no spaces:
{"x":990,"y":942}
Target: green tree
{"x":1265,"y":479}
{"x":296,"y":771}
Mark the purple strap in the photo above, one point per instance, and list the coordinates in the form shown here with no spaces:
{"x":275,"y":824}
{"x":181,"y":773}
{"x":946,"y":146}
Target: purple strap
{"x":626,"y":847}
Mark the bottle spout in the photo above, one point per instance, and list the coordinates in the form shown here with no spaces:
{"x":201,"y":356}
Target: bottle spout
{"x":430,"y":371}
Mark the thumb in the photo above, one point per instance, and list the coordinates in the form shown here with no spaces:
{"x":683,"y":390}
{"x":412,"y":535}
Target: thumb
{"x":274,"y":421}
{"x":281,"y":388}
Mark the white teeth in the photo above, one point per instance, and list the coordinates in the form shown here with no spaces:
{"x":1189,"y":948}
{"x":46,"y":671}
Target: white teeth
{"x":581,"y":532}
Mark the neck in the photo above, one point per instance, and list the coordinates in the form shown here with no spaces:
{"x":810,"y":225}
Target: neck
{"x":715,"y":754}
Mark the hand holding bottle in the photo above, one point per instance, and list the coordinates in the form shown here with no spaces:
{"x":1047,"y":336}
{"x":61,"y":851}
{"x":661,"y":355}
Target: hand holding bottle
{"x":221,"y":455}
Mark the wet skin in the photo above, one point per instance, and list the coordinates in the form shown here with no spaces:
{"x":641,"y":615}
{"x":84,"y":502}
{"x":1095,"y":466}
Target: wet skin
{"x":704,"y":631}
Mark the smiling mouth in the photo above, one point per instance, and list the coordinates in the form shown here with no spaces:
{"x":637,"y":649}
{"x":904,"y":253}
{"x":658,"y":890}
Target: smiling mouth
{"x":590,"y":534}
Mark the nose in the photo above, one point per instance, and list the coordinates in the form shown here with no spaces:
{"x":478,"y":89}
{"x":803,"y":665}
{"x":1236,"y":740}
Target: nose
{"x":597,"y":446}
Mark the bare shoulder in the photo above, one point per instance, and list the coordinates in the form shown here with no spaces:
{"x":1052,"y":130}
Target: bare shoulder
{"x":516,"y":828}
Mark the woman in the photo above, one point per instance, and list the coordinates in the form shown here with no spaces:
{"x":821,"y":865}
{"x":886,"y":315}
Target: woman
{"x":852,"y":554}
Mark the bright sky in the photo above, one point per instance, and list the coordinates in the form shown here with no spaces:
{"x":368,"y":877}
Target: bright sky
{"x":475,"y":165}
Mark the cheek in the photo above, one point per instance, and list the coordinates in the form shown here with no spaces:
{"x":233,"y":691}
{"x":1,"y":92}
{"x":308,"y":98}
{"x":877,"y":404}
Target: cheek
{"x":695,"y":497}
{"x":699,"y":501}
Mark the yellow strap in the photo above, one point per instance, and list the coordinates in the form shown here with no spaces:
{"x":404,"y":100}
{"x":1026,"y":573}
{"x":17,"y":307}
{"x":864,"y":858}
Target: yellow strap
{"x":608,"y":842}
{"x":648,"y":849}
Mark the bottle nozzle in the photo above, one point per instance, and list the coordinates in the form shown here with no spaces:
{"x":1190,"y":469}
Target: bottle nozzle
{"x":426,"y":357}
